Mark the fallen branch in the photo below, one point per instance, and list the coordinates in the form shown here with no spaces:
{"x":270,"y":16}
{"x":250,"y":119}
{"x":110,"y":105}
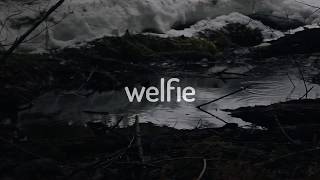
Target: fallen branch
{"x":232,"y":93}
{"x":28,"y":32}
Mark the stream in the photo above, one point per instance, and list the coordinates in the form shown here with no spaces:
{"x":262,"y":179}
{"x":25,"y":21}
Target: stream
{"x":267,"y":84}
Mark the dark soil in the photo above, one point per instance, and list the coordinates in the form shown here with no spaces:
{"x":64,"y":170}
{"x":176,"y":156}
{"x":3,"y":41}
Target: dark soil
{"x":229,"y":153}
{"x":277,"y":22}
{"x":296,"y":112}
{"x":299,"y":43}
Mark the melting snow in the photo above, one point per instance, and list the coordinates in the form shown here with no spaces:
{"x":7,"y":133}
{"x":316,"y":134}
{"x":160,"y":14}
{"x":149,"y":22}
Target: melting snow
{"x":82,"y":20}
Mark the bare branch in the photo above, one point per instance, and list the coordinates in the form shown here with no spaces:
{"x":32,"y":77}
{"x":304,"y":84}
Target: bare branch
{"x":28,"y":32}
{"x":203,"y":169}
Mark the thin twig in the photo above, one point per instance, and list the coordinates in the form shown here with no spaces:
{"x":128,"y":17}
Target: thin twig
{"x":106,"y":161}
{"x":96,"y":112}
{"x":282,"y":130}
{"x":307,"y":4}
{"x":230,"y":94}
{"x":117,"y":123}
{"x":287,"y":155}
{"x":303,"y":79}
{"x":306,"y":94}
{"x":203,"y":169}
{"x":87,"y":79}
{"x":177,"y":158}
{"x":199,"y":124}
{"x":294,"y":86}
{"x":222,"y":120}
{"x":34,"y":155}
{"x":138,"y":139}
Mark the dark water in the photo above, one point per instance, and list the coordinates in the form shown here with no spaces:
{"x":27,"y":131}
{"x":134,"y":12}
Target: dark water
{"x":267,"y":85}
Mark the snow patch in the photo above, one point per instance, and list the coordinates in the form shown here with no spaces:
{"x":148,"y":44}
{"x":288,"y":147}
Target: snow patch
{"x":221,"y":21}
{"x":82,"y":20}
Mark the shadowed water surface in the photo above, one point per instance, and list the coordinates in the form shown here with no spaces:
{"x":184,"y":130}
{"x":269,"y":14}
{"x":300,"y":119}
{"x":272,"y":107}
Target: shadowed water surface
{"x":267,"y":85}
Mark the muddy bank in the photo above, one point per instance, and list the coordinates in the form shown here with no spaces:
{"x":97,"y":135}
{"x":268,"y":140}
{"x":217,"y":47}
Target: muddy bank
{"x":110,"y":63}
{"x":297,"y":120}
{"x":277,"y":22}
{"x":103,"y":152}
{"x":302,"y":42}
{"x":164,"y":153}
{"x":290,"y":113}
{"x":105,"y":64}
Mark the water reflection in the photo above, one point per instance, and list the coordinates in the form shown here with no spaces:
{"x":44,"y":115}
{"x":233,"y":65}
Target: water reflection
{"x":269,"y":85}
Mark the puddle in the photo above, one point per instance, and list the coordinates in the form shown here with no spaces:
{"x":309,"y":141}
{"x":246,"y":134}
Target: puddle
{"x":267,"y":85}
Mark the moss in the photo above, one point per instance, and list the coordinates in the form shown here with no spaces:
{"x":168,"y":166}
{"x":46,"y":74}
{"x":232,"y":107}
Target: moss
{"x":217,"y":37}
{"x":233,"y":34}
{"x":196,"y":44}
{"x":137,"y":48}
{"x":158,"y":44}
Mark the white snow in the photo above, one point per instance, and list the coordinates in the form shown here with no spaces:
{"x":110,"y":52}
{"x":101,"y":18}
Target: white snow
{"x":83,"y":20}
{"x":219,"y":22}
